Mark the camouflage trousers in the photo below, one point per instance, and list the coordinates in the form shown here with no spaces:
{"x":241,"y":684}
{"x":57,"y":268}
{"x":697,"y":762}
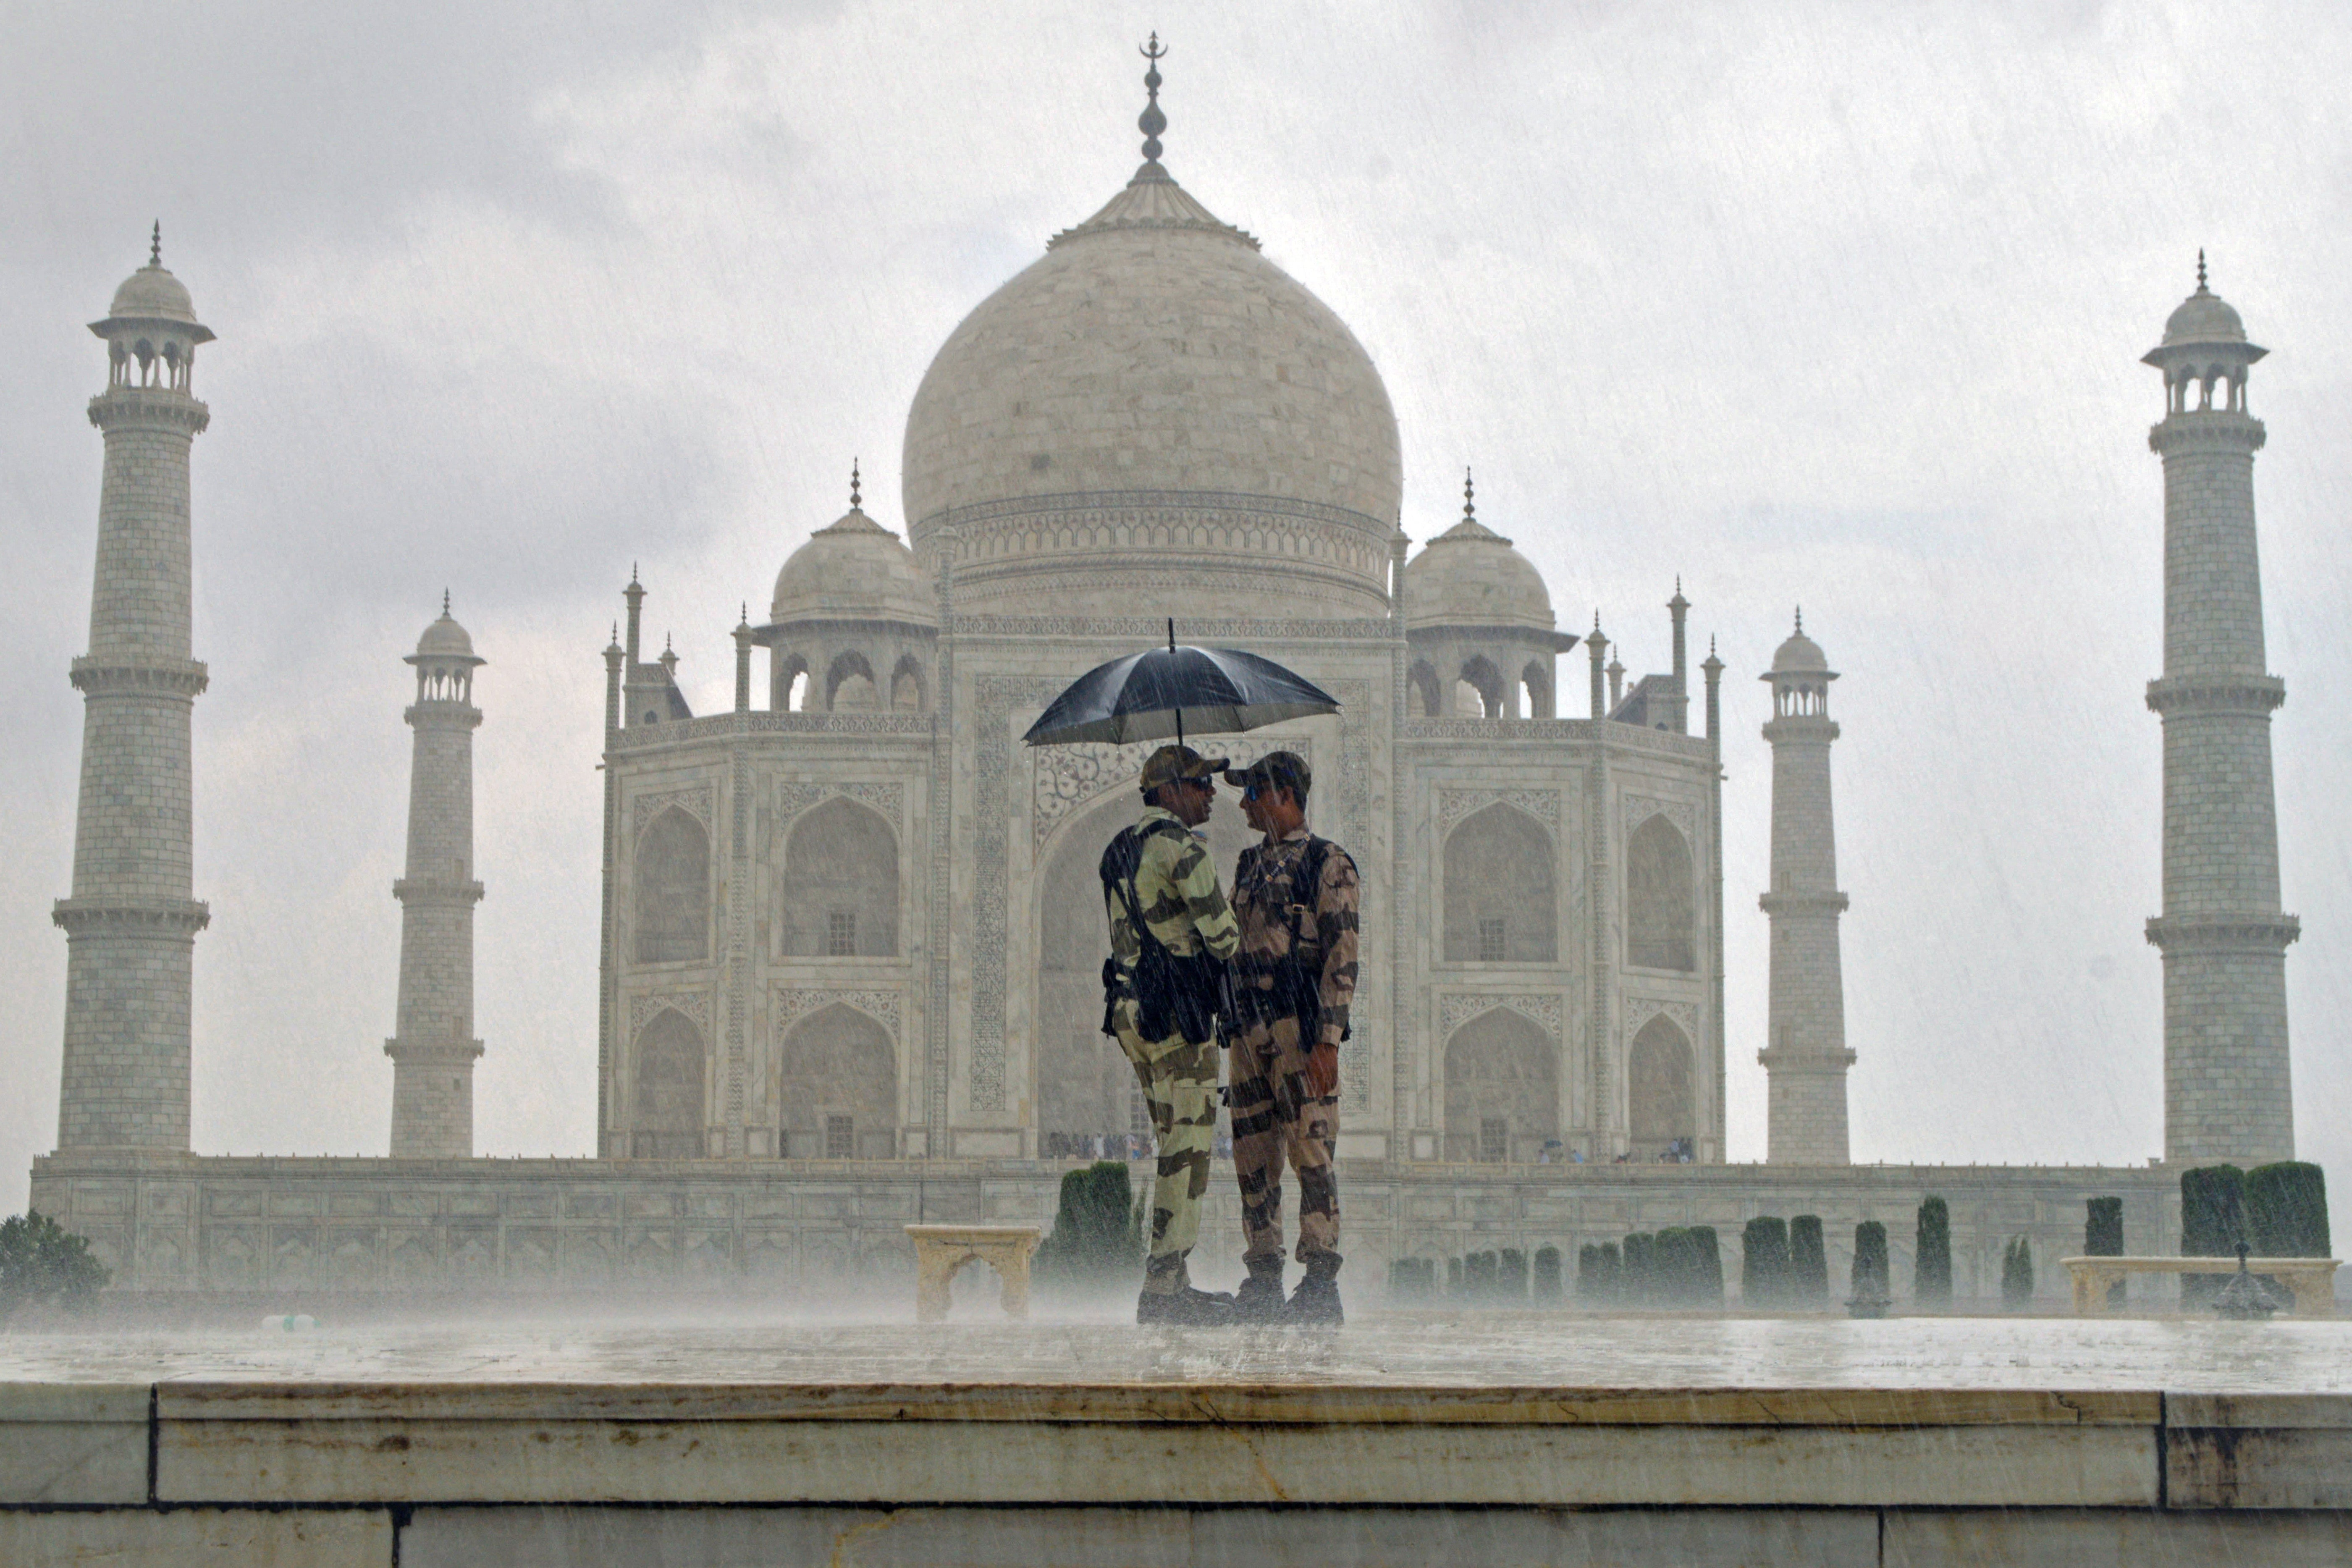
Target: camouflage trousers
{"x":1179,"y":1091}
{"x":1275,"y":1117}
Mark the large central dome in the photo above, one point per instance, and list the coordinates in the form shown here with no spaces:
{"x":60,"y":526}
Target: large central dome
{"x":1153,"y":418}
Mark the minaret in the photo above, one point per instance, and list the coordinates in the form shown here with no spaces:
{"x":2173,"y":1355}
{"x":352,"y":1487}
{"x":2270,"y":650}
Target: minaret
{"x":1805,"y":1054}
{"x":131,"y":925}
{"x":433,"y":1053}
{"x":2224,"y":936}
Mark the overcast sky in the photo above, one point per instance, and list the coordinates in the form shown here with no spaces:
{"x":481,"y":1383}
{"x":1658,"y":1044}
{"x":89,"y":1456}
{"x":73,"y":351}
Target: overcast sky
{"x":1830,"y":304}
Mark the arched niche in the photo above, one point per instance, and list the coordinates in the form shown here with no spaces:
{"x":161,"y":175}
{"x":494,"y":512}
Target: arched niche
{"x":841,"y":883}
{"x":1085,"y":1088}
{"x":1428,"y":696}
{"x":1659,"y":1105}
{"x":849,"y":685}
{"x":906,"y":686}
{"x":1502,"y":1089}
{"x":672,"y":878}
{"x":668,"y":1109}
{"x":1501,"y":906}
{"x":837,"y":1087}
{"x":1661,"y":900}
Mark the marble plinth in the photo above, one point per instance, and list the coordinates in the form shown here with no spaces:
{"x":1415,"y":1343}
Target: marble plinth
{"x":1703,"y":1440}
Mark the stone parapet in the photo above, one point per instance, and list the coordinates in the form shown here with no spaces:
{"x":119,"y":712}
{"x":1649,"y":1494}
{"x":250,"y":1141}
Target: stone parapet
{"x":130,"y":917}
{"x":184,"y":678}
{"x":2202,"y":431}
{"x":148,"y":407}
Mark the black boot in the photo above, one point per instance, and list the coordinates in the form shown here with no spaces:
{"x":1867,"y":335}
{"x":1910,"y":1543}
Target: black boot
{"x":1260,"y":1301}
{"x":1316,"y":1302}
{"x":1185,"y":1306}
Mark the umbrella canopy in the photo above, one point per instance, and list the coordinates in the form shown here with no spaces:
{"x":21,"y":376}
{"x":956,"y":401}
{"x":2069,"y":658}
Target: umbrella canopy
{"x":1170,"y":690}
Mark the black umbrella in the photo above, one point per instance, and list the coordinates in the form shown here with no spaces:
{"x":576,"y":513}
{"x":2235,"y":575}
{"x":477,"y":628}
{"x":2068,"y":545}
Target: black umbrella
{"x":1148,"y":696}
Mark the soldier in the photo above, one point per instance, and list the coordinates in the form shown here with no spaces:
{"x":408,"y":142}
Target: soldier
{"x":1170,"y":934}
{"x":1296,"y":897}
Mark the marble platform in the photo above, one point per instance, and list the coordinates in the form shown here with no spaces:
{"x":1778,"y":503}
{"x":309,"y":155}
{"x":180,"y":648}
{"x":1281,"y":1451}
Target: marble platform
{"x":1405,"y":1437}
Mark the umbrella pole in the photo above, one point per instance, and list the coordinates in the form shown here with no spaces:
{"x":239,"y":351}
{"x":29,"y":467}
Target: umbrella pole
{"x":1171,"y":648}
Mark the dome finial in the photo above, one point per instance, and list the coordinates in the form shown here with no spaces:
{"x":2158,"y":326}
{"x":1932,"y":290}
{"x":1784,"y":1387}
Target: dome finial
{"x":2200,"y":269}
{"x":1152,"y":123}
{"x":853,"y":504}
{"x":1469,"y":498}
{"x":155,"y":245}
{"x":1801,"y":620}
{"x":444,"y":601}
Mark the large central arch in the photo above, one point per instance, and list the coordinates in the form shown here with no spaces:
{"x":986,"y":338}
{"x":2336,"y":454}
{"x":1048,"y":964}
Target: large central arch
{"x":1085,"y":1088}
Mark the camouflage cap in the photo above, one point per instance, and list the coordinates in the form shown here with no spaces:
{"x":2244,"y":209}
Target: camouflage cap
{"x":1169,"y":763}
{"x":1275,"y":770}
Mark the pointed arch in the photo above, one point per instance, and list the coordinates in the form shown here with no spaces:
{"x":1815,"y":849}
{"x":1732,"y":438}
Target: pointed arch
{"x":1085,"y":1089}
{"x":1479,"y":674}
{"x":672,"y":878}
{"x":837,"y":1087}
{"x":841,"y":883}
{"x":1425,"y":687}
{"x":1501,"y":898}
{"x":788,"y":685}
{"x":1502,"y":1088}
{"x":849,"y":685}
{"x":907,"y":693}
{"x":668,"y":1079}
{"x":1659,"y":1105}
{"x":1660,"y":898}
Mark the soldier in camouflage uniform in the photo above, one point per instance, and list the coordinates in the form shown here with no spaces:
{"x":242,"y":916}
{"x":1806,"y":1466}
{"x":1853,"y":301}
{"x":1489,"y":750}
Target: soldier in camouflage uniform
{"x":1161,"y":987}
{"x":1296,"y":897}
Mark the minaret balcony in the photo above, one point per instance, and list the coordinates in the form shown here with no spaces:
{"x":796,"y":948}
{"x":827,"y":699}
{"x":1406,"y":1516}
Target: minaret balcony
{"x":1788,"y":901}
{"x":159,"y":677}
{"x":2248,"y":695}
{"x":2206,"y":430}
{"x":130,"y":917}
{"x":130,"y":408}
{"x":416,"y":892}
{"x":2252,"y":932}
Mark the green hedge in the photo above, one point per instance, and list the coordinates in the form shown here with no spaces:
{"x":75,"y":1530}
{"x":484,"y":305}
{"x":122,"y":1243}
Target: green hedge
{"x":1599,"y":1275}
{"x":1638,"y":1280}
{"x":2286,"y":1210}
{"x":1868,"y":1279}
{"x":2103,"y":1237}
{"x":1511,"y":1277}
{"x":2017,"y":1274}
{"x":2212,"y":1224}
{"x":1545,"y":1287}
{"x":1764,"y":1264}
{"x":1808,"y":1262}
{"x":1097,"y":1237}
{"x":1931,"y":1267}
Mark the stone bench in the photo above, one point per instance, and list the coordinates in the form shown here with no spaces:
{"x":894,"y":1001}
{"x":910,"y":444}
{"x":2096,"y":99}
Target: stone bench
{"x":941,"y":1250}
{"x":2311,"y":1281}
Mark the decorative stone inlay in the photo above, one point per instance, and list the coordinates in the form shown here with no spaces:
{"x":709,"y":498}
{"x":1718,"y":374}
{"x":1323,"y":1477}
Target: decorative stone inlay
{"x":767,"y":722}
{"x":1064,"y":778}
{"x":695,"y":1004}
{"x":695,"y":802}
{"x":1198,"y":633}
{"x":1636,"y":809}
{"x":889,"y":799}
{"x":1456,"y":1008}
{"x":793,"y":1006}
{"x":1640,"y":1010}
{"x":1454,"y":805}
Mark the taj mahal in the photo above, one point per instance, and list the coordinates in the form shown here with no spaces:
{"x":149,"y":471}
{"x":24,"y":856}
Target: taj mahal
{"x":851,"y":928}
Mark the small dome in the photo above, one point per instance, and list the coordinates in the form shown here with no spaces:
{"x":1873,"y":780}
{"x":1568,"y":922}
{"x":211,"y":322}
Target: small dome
{"x":446,"y":639}
{"x":152,"y":294}
{"x":1471,"y":576}
{"x":854,"y":569}
{"x":1800,"y":655}
{"x":2203,"y":318}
